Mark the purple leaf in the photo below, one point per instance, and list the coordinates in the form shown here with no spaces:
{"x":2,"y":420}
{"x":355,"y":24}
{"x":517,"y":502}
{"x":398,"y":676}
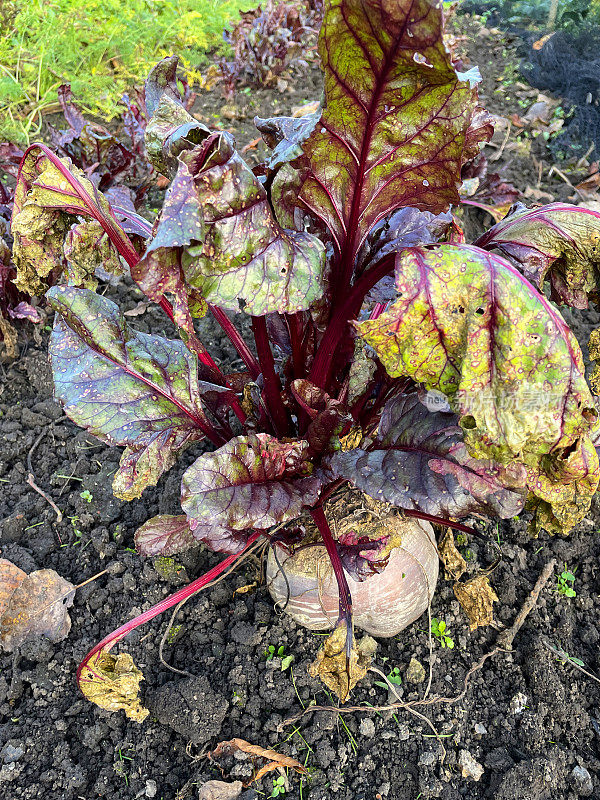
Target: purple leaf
{"x":125,"y":387}
{"x":285,"y":135}
{"x":398,"y":121}
{"x":328,"y":416}
{"x":164,"y":535}
{"x":253,"y":481}
{"x":559,"y":243}
{"x":361,"y":556}
{"x":419,"y":462}
{"x":25,"y":310}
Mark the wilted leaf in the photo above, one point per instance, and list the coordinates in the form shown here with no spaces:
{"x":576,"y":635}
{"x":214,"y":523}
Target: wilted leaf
{"x":558,"y":242}
{"x":45,"y":207}
{"x":113,"y":683}
{"x":33,"y":605}
{"x":275,"y":759}
{"x":328,"y":416}
{"x":362,"y":556}
{"x":87,"y":247}
{"x":476,"y":598}
{"x":454,"y":563}
{"x":171,"y":129}
{"x":469,"y":325}
{"x":285,"y":135}
{"x":253,"y":481}
{"x":563,"y":487}
{"x":125,"y":387}
{"x":397,"y":123}
{"x":332,"y":666}
{"x":419,"y":461}
{"x":164,"y":535}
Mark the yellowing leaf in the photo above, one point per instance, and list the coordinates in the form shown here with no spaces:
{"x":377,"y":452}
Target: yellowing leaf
{"x":332,"y":666}
{"x":33,"y":605}
{"x":454,"y":563}
{"x":476,"y":598}
{"x":113,"y":683}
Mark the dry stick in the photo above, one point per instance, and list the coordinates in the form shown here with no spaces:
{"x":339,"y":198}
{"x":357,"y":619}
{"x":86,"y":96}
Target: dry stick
{"x":503,"y":644}
{"x":34,"y":486}
{"x":499,"y":152}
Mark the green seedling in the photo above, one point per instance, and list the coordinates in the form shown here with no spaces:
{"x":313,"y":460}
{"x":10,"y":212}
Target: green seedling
{"x":278,"y":787}
{"x":393,"y":676}
{"x":438,"y":629}
{"x":565,"y":581}
{"x":86,"y":495}
{"x":273,"y":651}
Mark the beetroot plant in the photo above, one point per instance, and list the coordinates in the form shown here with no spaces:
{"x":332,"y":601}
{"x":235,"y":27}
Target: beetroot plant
{"x":434,"y":377}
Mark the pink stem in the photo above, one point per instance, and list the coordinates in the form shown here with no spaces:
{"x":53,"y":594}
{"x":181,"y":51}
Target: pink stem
{"x":163,"y":605}
{"x":237,"y":341}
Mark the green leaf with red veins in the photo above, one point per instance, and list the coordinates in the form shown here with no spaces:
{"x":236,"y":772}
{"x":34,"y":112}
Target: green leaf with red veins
{"x":245,"y":255}
{"x":164,"y":535}
{"x":126,"y":388}
{"x":468,"y":324}
{"x":253,"y":481}
{"x":398,"y":120}
{"x":559,"y":243}
{"x":419,"y":462}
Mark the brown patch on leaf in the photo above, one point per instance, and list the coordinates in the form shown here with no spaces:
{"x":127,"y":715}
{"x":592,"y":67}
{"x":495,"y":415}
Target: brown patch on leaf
{"x":275,"y":760}
{"x":454,"y":563}
{"x":33,"y":605}
{"x":332,"y":666}
{"x":113,"y":683}
{"x":476,"y":598}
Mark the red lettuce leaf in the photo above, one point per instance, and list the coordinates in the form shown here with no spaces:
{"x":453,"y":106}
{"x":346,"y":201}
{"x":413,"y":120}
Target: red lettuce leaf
{"x":419,"y":462}
{"x":398,"y":120}
{"x":253,"y":481}
{"x":559,"y":243}
{"x":125,"y":387}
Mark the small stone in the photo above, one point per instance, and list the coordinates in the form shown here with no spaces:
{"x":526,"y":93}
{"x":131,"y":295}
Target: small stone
{"x":10,"y":754}
{"x":427,"y":759}
{"x":220,"y":790}
{"x":519,"y":703}
{"x":468,"y":766}
{"x":480,"y":729}
{"x":582,"y":781}
{"x":415,"y":672}
{"x":151,"y":788}
{"x":367,"y":728}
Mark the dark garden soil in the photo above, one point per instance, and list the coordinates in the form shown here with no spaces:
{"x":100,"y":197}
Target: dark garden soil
{"x":529,"y":720}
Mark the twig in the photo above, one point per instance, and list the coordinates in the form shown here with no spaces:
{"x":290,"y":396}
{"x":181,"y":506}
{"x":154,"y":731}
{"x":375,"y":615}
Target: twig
{"x":560,"y":174}
{"x":497,"y":155}
{"x":568,"y":660}
{"x":33,"y":484}
{"x":505,"y":639}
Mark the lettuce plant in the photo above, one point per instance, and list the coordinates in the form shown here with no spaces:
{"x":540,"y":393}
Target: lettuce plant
{"x":432,"y":374}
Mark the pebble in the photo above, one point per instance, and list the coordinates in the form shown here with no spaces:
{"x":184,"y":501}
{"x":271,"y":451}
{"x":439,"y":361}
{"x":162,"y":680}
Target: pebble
{"x":427,"y":759}
{"x":519,"y":703}
{"x":10,"y":754}
{"x":415,"y":672}
{"x":151,"y":788}
{"x":582,"y":780}
{"x":367,"y":728}
{"x":480,"y":729}
{"x":469,"y":767}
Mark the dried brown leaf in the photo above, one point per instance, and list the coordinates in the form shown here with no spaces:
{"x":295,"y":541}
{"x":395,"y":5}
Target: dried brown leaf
{"x":454,"y":563}
{"x":33,"y":605}
{"x":332,"y":666}
{"x":113,"y":683}
{"x":275,"y":759}
{"x":476,"y":598}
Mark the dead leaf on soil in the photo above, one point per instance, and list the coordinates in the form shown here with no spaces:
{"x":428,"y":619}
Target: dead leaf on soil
{"x":113,"y":683}
{"x":476,"y":598}
{"x":33,"y":605}
{"x":332,"y":667}
{"x":454,"y":563}
{"x":275,"y":759}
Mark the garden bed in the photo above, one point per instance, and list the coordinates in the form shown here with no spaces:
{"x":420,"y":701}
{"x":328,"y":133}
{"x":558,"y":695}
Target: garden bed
{"x":527,"y":718}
